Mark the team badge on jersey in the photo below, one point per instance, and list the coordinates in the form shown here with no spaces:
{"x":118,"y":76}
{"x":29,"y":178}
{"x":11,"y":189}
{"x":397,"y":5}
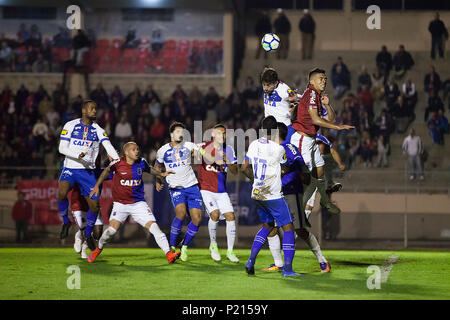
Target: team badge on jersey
{"x":139,"y":171}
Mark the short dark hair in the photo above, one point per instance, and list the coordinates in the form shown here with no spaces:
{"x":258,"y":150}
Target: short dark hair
{"x":175,"y":125}
{"x":269,"y":75}
{"x":314,"y":71}
{"x":269,"y":123}
{"x":86,"y":102}
{"x":282,"y":130}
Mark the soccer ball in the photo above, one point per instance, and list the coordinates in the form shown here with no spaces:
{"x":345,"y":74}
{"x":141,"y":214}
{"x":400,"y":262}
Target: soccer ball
{"x":270,"y":41}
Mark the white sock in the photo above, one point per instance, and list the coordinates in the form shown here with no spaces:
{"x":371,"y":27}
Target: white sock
{"x":275,"y":249}
{"x":307,"y":213}
{"x":160,"y":237}
{"x":106,"y":236}
{"x":212,"y":227}
{"x":315,"y":248}
{"x":231,"y":234}
{"x":78,"y":235}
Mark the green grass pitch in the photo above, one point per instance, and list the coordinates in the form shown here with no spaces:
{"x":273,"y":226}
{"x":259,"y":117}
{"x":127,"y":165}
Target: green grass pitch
{"x":40,"y":273}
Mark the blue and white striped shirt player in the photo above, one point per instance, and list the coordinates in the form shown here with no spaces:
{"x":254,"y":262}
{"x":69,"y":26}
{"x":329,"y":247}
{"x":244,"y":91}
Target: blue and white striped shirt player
{"x":75,"y":139}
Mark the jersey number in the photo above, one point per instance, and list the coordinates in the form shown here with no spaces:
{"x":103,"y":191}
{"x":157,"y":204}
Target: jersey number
{"x":256,"y":163}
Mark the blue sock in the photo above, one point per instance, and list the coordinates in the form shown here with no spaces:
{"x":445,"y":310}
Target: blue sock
{"x":63,"y":205}
{"x":177,"y":224}
{"x":191,"y":232}
{"x":91,"y":218}
{"x":258,"y":242}
{"x":288,"y":249}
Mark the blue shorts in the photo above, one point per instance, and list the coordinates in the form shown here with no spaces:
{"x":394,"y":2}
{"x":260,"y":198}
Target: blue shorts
{"x":85,"y":178}
{"x":290,"y":132}
{"x":277,"y":209}
{"x":190,"y":196}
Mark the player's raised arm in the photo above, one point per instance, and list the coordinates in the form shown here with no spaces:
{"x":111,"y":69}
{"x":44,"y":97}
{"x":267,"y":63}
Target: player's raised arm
{"x":157,"y":172}
{"x":104,"y":140}
{"x":318,"y":121}
{"x":96,"y":190}
{"x":337,"y":158}
{"x":331,"y":115}
{"x":64,"y":143}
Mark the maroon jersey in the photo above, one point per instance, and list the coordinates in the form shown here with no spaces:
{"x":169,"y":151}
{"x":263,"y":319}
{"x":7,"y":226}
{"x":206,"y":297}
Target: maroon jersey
{"x":212,"y":177}
{"x":77,"y":201}
{"x":309,"y":100}
{"x":128,"y":186}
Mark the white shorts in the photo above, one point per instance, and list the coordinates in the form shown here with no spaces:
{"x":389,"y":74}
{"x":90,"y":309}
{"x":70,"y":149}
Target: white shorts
{"x":139,"y":211}
{"x":309,"y":149}
{"x":312,"y":200}
{"x":81,"y":220}
{"x":217,"y":201}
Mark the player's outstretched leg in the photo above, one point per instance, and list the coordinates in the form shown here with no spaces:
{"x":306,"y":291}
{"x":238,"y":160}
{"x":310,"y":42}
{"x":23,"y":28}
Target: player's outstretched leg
{"x":325,"y":200}
{"x":258,"y":242}
{"x":162,"y":242}
{"x":231,"y":238}
{"x":313,"y":244}
{"x":105,"y":238}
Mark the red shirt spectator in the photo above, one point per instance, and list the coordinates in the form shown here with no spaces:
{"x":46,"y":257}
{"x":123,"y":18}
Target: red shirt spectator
{"x":22,"y":209}
{"x":157,"y":129}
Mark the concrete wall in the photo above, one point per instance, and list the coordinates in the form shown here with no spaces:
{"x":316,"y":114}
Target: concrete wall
{"x":341,"y":30}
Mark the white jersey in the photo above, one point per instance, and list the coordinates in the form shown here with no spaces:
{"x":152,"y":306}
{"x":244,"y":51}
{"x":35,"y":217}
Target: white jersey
{"x":76,"y":138}
{"x":266,"y":157}
{"x":178,"y":160}
{"x":276,"y":105}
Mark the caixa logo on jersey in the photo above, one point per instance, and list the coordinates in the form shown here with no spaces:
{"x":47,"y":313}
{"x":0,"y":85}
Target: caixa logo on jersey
{"x":82,"y":143}
{"x":177,"y":164}
{"x":130,"y":183}
{"x":211,"y":168}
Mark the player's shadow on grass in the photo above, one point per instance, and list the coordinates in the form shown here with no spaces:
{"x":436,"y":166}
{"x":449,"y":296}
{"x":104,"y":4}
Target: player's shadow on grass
{"x":328,"y":284}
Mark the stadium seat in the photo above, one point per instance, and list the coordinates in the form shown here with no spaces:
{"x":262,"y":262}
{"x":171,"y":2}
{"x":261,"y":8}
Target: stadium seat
{"x":170,"y":45}
{"x":117,"y":43}
{"x":103,"y":43}
{"x":63,"y":54}
{"x":144,"y":43}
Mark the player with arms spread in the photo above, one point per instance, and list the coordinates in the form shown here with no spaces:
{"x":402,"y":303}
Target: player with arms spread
{"x":80,"y":141}
{"x":212,"y":180}
{"x":266,"y":156}
{"x":183,"y":185}
{"x":308,"y":118}
{"x":128,"y":194}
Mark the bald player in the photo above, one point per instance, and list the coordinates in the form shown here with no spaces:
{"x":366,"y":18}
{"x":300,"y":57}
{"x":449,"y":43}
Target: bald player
{"x":128,"y":195}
